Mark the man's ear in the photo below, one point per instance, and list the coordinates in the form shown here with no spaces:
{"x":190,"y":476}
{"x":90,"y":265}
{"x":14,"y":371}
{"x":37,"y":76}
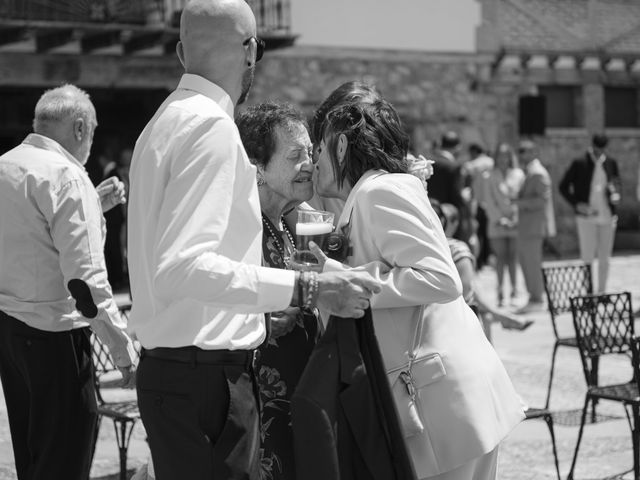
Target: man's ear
{"x":79,"y":128}
{"x":341,"y":148}
{"x":180,"y":53}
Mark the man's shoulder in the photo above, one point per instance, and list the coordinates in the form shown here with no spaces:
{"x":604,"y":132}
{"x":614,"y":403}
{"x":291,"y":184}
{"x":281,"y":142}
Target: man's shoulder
{"x":188,"y":103}
{"x":581,"y":161}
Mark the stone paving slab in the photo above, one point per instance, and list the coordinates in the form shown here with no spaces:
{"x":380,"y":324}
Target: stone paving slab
{"x":606,"y":450}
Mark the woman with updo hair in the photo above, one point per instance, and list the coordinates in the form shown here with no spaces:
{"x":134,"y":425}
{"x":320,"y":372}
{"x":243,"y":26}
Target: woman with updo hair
{"x":453,"y":396}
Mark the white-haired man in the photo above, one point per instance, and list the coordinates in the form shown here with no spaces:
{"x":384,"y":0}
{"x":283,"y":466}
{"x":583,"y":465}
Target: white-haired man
{"x":51,"y":241}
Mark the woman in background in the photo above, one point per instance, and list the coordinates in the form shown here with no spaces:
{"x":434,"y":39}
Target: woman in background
{"x":503,"y":184}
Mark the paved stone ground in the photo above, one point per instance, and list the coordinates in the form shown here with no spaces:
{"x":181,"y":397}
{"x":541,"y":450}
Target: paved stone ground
{"x":605,"y":453}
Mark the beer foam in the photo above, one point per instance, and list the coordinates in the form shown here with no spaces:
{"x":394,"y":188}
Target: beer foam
{"x":313,"y":228}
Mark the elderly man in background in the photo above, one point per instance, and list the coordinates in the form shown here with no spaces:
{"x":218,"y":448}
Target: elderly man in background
{"x":195,"y":250}
{"x":535,"y":222}
{"x":51,"y":240}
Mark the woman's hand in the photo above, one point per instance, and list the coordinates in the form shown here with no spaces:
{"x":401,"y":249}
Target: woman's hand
{"x":283,"y":322}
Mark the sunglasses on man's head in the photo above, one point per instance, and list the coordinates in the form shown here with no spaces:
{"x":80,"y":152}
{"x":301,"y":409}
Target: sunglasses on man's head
{"x":260,"y":45}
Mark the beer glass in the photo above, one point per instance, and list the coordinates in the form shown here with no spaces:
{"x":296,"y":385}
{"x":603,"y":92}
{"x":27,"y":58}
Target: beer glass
{"x":313,"y":225}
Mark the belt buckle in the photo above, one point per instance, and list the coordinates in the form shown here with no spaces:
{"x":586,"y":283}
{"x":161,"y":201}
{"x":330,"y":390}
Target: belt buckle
{"x":255,"y":359}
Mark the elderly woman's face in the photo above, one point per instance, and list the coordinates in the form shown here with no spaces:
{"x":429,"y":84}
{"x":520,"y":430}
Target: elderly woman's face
{"x":290,"y":169}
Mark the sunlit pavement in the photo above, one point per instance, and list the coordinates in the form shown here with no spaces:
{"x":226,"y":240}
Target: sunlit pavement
{"x":605,"y":452}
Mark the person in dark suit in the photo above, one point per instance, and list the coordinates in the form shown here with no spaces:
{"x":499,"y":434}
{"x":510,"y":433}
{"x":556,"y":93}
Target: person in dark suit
{"x":447,"y":185}
{"x":535,"y":222}
{"x":592,"y":186}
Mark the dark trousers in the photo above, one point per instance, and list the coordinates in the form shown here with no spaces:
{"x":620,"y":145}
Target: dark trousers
{"x":47,"y":378}
{"x":483,"y":239}
{"x":200,"y":414}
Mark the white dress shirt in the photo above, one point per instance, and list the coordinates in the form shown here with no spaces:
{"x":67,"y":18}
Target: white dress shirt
{"x":598,"y":193}
{"x":195,"y":234}
{"x":52,"y":231}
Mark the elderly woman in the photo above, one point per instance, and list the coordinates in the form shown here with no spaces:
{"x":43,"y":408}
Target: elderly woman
{"x":454,"y":398}
{"x":277,"y":142}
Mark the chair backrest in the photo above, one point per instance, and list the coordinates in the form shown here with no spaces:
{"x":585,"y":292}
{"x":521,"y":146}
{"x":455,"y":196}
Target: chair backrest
{"x":604,"y":325}
{"x":563,"y":280}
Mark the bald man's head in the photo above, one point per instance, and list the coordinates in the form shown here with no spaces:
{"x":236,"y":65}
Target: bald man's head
{"x":212,"y":33}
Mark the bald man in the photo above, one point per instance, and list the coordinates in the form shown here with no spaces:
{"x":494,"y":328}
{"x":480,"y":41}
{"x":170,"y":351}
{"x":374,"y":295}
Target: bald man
{"x":51,"y":238}
{"x":194,"y":253}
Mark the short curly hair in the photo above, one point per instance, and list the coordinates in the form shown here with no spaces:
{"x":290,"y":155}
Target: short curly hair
{"x":376,"y":139}
{"x":257,"y":125}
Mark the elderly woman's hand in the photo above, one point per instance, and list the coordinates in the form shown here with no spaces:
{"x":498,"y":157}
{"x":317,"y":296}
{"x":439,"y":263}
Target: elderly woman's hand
{"x":282,"y":322}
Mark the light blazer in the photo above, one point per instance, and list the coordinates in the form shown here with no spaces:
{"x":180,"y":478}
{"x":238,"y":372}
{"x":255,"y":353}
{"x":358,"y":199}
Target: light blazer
{"x":468,"y":404}
{"x":535,"y":206}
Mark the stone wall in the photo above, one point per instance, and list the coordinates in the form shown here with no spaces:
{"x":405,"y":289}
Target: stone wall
{"x":438,"y":92}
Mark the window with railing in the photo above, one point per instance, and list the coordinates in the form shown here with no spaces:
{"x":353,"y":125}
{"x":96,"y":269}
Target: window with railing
{"x":272,"y":16}
{"x":112,"y":11}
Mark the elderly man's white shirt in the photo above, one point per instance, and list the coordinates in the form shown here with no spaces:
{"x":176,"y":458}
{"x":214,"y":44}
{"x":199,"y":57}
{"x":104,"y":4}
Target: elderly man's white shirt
{"x":51,"y":231}
{"x":195,"y":234}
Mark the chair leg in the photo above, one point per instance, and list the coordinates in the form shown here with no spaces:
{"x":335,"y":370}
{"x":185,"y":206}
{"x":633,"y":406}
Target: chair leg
{"x":123,"y":436}
{"x":95,"y":437}
{"x":594,"y":381}
{"x":553,"y":364}
{"x":635,"y":438}
{"x":575,"y":454}
{"x":549,"y":420}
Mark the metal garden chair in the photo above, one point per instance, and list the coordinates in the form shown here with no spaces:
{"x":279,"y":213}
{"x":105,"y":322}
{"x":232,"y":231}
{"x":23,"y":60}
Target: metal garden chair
{"x":604,"y":325}
{"x":123,"y":412}
{"x":547,"y":416}
{"x":563,"y":280}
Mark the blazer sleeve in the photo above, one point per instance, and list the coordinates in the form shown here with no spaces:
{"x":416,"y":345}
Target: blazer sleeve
{"x":415,"y":265}
{"x":540,"y":187}
{"x":566,"y":186}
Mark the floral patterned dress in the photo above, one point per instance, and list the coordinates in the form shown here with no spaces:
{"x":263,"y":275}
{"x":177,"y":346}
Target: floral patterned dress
{"x":282,"y":361}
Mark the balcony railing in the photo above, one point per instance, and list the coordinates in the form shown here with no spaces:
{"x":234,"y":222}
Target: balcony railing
{"x":134,"y":24}
{"x":138,"y":12}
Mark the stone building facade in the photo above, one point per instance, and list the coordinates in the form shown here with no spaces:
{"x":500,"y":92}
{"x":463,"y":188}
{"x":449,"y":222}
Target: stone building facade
{"x":463,"y":92}
{"x":577,"y":50}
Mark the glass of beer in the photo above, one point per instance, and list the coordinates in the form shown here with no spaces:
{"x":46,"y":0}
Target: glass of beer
{"x":313,"y":225}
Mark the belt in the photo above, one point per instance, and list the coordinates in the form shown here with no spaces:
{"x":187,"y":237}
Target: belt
{"x":195,"y":355}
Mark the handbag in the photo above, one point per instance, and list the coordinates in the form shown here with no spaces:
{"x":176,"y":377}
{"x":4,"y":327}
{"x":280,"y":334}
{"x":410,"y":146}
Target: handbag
{"x":409,"y":379}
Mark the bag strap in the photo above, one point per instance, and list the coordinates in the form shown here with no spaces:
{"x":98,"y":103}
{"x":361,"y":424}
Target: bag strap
{"x":416,"y":339}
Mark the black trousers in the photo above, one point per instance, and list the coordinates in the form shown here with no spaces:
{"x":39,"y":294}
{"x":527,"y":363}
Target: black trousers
{"x":200,"y":411}
{"x":47,"y":378}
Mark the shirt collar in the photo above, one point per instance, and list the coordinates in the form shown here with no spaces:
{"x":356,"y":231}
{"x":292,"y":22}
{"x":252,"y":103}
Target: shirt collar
{"x":46,"y":143}
{"x":596,"y":160}
{"x":199,"y":84}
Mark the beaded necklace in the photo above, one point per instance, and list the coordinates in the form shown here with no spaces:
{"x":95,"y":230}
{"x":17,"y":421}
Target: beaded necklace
{"x":278,"y":238}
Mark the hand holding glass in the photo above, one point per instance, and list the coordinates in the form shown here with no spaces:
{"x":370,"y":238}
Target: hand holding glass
{"x":313,"y":225}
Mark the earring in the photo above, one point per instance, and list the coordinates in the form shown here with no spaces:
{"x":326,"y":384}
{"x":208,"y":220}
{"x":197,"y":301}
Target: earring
{"x":261,"y":182}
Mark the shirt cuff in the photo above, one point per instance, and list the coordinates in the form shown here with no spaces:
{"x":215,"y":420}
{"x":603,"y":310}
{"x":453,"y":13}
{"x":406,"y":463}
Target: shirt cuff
{"x":275,"y":288}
